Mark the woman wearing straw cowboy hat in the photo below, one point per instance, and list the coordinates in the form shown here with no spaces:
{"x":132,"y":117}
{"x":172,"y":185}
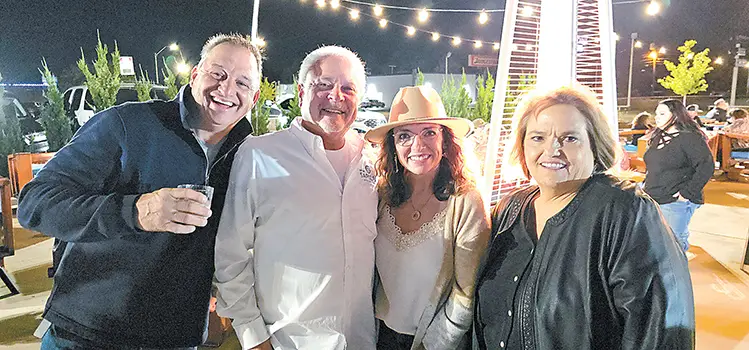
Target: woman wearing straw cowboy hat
{"x":432,"y":226}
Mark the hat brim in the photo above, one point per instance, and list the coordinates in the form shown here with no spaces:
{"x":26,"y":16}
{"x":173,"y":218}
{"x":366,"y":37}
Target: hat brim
{"x":459,"y":126}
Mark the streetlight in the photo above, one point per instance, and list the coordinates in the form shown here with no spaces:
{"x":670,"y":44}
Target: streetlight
{"x":449,"y":53}
{"x":632,"y":46}
{"x":171,"y":47}
{"x":653,"y":8}
{"x":653,"y":55}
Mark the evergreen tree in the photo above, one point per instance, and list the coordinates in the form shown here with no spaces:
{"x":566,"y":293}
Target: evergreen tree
{"x":455,"y":97}
{"x":170,"y":81}
{"x":104,"y":84}
{"x":419,"y":77}
{"x":484,"y":98}
{"x":56,"y":124}
{"x":687,"y":77}
{"x":294,"y":109}
{"x":261,"y":112}
{"x":143,"y":86}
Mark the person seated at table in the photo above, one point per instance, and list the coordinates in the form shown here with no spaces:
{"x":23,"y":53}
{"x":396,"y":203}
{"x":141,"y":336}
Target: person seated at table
{"x":642,"y":121}
{"x":694,"y":112}
{"x":739,"y":125}
{"x":719,"y":113}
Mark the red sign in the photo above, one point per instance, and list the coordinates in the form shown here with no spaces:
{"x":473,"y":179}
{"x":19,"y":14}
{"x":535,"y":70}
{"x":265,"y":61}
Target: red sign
{"x":482,"y":61}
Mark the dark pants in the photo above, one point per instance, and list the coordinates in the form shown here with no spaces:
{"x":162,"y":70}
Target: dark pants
{"x":58,"y":339}
{"x":389,"y":339}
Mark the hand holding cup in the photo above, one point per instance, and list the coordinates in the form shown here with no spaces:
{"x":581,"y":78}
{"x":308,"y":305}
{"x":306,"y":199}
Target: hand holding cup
{"x":178,"y":210}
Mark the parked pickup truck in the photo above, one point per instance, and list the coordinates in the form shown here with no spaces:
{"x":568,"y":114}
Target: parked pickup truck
{"x":79,"y":105}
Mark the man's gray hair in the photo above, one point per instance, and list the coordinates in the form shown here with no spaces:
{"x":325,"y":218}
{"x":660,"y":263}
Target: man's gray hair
{"x":238,"y":40}
{"x":312,"y":60}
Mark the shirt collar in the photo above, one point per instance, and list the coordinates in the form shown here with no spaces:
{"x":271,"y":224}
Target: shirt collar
{"x":187,"y":106}
{"x":312,"y":142}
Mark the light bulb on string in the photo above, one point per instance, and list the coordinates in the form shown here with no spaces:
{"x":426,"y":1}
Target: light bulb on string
{"x":435,"y":36}
{"x":377,"y":9}
{"x":478,"y":44}
{"x":495,"y":47}
{"x":320,"y":3}
{"x":423,"y":15}
{"x":456,"y":41}
{"x":483,"y":17}
{"x":354,"y":14}
{"x":383,"y":23}
{"x":410,"y":31}
{"x":334,"y":4}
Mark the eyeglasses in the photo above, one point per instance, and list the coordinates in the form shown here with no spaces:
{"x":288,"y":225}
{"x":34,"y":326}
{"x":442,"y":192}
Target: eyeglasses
{"x":406,"y":138}
{"x":219,"y":74}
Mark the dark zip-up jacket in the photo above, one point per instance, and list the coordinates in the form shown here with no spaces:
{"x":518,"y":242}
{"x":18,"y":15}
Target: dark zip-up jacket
{"x":605,"y":274}
{"x":116,"y":284}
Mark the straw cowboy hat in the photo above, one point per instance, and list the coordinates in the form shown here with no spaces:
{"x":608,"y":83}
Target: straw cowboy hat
{"x":418,"y":104}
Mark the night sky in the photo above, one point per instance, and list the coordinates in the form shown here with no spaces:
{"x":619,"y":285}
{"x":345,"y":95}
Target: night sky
{"x":56,"y":30}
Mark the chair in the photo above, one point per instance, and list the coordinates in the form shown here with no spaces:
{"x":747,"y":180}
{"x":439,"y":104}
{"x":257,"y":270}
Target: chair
{"x":6,"y":243}
{"x":21,"y":168}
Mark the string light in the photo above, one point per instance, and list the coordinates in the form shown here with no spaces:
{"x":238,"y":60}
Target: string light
{"x":259,"y":42}
{"x":662,"y":51}
{"x":483,"y":17}
{"x":423,"y":15}
{"x":638,"y":44}
{"x":719,"y":60}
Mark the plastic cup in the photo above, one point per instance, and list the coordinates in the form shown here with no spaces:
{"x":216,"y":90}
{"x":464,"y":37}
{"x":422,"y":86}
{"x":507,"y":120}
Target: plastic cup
{"x":204,"y":189}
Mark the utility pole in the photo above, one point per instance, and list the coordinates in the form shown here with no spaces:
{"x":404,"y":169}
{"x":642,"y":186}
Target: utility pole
{"x":255,"y":9}
{"x":631,"y":58}
{"x":449,"y":53}
{"x":740,"y":52}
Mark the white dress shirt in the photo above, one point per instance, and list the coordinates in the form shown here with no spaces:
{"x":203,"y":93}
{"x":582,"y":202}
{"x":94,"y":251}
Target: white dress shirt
{"x":295,"y":248}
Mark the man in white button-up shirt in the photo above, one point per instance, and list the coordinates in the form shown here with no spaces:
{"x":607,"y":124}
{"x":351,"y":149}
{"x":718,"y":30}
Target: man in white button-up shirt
{"x":295,"y":250}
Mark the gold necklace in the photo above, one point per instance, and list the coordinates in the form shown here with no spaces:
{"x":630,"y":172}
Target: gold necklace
{"x":417,"y":212}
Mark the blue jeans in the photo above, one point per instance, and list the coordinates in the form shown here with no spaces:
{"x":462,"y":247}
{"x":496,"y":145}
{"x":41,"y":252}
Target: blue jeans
{"x":677,"y":215}
{"x":53,"y":341}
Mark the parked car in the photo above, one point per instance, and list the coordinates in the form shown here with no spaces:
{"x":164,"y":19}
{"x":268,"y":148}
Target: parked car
{"x":32,"y":131}
{"x":369,"y":119}
{"x":367,"y":103}
{"x":79,"y":105}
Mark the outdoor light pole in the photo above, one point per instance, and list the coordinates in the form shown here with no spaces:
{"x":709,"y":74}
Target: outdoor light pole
{"x":172,"y":47}
{"x":255,"y":9}
{"x":631,"y":59}
{"x":740,"y":52}
{"x":446,"y":57}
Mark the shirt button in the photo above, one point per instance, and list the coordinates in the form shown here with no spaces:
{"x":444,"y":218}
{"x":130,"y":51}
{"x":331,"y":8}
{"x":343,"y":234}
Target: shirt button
{"x":509,"y":312}
{"x":515,"y":279}
{"x":501,"y":344}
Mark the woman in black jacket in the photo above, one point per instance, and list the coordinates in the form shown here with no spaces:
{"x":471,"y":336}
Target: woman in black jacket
{"x":580,"y":260}
{"x":679,"y":166}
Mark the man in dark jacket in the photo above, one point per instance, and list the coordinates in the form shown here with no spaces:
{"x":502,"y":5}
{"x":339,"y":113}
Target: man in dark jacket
{"x":138,"y":261}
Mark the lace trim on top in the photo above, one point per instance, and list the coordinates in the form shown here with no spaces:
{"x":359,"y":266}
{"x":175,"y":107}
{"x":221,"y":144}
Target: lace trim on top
{"x":404,"y":242}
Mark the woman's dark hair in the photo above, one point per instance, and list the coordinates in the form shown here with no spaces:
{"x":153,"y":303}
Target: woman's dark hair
{"x":641,"y":121}
{"x":738,"y":113}
{"x":452,"y":175}
{"x":679,"y":118}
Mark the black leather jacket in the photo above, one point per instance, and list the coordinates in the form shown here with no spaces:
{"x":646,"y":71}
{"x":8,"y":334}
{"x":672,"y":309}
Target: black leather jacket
{"x":607,"y":274}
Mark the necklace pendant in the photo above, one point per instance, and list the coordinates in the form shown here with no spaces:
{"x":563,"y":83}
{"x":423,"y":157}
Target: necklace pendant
{"x":416,"y":215}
